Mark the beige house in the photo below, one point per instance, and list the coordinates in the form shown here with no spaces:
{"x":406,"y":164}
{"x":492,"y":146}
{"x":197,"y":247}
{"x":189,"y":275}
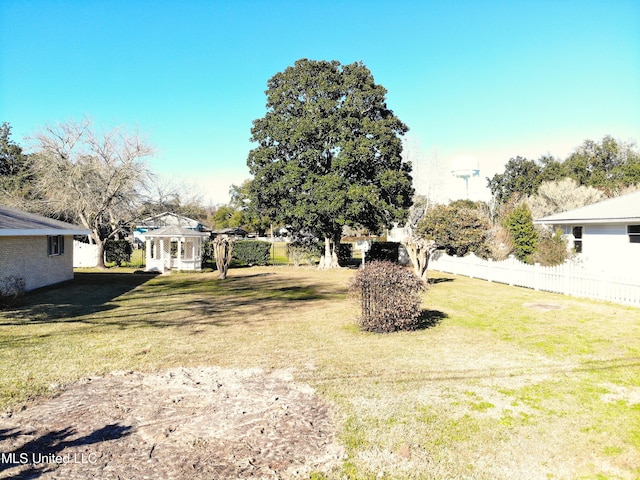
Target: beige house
{"x":37,"y":249}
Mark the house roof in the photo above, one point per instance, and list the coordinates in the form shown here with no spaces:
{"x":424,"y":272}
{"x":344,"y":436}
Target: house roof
{"x":622,"y":209}
{"x":167,"y":219}
{"x":174,"y":231}
{"x":18,"y":223}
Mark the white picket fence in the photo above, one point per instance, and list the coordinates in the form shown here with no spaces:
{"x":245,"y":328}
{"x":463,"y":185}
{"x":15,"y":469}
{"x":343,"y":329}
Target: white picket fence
{"x":568,"y":278}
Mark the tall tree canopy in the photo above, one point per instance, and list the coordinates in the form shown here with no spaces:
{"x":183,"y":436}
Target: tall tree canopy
{"x":329,"y":152}
{"x":609,"y":165}
{"x":15,"y":173}
{"x":92,"y":178}
{"x":521,"y":176}
{"x":458,"y":228}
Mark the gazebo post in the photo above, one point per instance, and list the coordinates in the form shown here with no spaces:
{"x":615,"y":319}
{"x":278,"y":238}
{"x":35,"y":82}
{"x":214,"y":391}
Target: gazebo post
{"x":162,"y":259}
{"x":179,"y":252}
{"x":148,"y":254}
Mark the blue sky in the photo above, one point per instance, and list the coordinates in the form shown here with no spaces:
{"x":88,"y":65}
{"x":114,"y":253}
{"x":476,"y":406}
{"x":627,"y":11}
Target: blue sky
{"x":483,"y":79}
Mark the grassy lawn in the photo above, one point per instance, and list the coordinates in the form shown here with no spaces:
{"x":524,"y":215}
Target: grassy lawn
{"x":508,"y":383}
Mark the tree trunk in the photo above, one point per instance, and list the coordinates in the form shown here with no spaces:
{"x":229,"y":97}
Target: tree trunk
{"x":420,"y":252}
{"x":100,"y":244}
{"x":330,"y":257}
{"x":222,"y":251}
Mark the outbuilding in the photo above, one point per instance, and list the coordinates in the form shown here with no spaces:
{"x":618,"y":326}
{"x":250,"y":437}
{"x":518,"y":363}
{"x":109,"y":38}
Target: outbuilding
{"x":36,"y":249}
{"x":174,"y":248}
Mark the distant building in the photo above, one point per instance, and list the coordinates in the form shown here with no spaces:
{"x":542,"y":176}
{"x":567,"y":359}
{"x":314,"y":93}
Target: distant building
{"x":166,"y":219}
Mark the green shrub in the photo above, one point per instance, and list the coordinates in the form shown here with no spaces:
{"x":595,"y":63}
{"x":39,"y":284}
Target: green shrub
{"x":12,"y":291}
{"x":207,"y":254}
{"x":345,"y":253}
{"x":252,"y":252}
{"x":384,"y":252}
{"x":519,"y":223}
{"x":551,"y":249}
{"x":389,"y":295}
{"x":304,"y":250}
{"x":118,"y":251}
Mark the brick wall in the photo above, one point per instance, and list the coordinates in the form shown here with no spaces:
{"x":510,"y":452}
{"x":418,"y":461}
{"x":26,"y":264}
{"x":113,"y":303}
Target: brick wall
{"x":27,"y":257}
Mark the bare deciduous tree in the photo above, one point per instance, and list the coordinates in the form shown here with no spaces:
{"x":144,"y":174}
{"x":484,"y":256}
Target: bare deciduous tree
{"x":92,"y":178}
{"x":560,"y":196}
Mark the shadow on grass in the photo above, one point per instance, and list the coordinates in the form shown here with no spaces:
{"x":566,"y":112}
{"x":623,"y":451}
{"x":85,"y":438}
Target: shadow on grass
{"x":86,"y":294}
{"x":173,"y":300}
{"x":430,"y":319}
{"x":33,"y":455}
{"x":435,"y":281}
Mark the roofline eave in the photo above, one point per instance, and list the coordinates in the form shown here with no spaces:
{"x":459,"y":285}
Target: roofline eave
{"x":37,"y":232}
{"x":583,"y":221}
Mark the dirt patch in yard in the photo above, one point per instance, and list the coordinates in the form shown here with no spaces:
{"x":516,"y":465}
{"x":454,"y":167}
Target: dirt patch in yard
{"x":543,"y":307}
{"x":182,"y":423}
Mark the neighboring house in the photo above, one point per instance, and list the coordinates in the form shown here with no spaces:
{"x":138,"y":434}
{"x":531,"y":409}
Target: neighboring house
{"x":605,"y":235}
{"x":166,"y":219}
{"x":398,"y":234}
{"x":35,"y":248}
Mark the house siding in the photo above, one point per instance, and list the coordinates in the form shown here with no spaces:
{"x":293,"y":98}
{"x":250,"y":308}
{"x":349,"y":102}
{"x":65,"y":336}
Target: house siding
{"x":607,"y":247}
{"x":26,"y":257}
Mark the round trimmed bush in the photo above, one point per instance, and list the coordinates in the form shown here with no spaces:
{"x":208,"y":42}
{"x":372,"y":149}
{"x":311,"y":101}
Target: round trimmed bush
{"x":390,"y":296}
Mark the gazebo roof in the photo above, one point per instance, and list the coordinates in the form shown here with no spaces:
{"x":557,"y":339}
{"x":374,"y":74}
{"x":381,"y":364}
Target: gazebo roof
{"x":174,"y":231}
{"x":168,"y":218}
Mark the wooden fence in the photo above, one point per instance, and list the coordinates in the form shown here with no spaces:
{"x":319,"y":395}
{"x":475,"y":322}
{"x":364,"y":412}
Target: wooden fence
{"x":568,"y":278}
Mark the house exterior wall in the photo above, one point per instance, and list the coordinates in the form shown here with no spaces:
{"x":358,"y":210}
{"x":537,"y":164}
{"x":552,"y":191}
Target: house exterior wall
{"x":607,"y":247}
{"x":27,"y":257}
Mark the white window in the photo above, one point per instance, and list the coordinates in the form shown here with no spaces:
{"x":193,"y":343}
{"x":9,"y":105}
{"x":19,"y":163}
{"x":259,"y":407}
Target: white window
{"x":55,"y":245}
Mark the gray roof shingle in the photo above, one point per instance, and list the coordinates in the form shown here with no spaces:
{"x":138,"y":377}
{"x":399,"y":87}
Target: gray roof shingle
{"x":14,"y":222}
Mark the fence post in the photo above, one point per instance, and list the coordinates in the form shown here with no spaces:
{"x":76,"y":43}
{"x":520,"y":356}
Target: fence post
{"x":511,"y":270}
{"x":536,"y":276}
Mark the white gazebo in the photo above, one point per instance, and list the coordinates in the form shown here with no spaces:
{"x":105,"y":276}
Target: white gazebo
{"x":174,"y":248}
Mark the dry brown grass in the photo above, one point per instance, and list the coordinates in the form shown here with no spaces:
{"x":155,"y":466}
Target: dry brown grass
{"x":497,"y":388}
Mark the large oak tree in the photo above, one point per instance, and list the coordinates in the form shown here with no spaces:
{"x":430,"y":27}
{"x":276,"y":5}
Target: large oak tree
{"x":329,"y":153}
